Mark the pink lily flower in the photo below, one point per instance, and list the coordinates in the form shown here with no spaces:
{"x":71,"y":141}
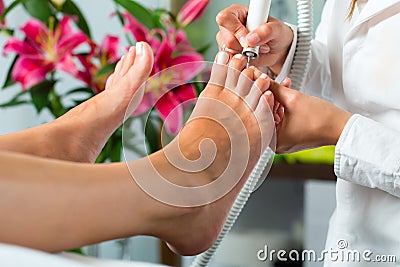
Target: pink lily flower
{"x":191,"y":11}
{"x":173,"y":50}
{"x":2,"y":9}
{"x":43,"y":50}
{"x":101,"y":56}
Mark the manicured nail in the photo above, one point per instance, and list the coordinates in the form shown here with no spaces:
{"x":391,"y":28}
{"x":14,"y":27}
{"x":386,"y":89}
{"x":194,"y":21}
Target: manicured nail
{"x":268,"y":92}
{"x":243,"y":42}
{"x":265,"y":49}
{"x":253,"y":38}
{"x":238,"y":56}
{"x":264,"y":76}
{"x":222,"y":58}
{"x":131,"y":49}
{"x":139,"y":48}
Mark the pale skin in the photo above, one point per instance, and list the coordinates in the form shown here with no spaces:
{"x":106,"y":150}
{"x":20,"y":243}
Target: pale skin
{"x":54,"y":205}
{"x":325,"y":122}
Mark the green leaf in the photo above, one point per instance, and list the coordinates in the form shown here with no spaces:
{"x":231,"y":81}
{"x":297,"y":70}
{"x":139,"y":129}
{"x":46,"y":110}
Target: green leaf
{"x":116,"y":150}
{"x":138,"y":11}
{"x":199,"y":87}
{"x":152,"y":136}
{"x":40,"y":9}
{"x":10,"y":8}
{"x":203,"y":50}
{"x":16,"y":100}
{"x":80,"y":90}
{"x":158,"y":15}
{"x":106,"y":70}
{"x":7,"y":32}
{"x":40,"y":93}
{"x":77,"y":251}
{"x":14,"y":103}
{"x":71,"y":8}
{"x":9,"y":81}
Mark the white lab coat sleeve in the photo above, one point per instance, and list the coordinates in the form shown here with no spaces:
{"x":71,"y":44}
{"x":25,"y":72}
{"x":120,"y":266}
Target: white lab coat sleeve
{"x":368,"y":154}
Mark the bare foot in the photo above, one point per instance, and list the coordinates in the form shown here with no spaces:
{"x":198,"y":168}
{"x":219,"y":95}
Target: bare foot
{"x":89,"y":125}
{"x":232,"y":119}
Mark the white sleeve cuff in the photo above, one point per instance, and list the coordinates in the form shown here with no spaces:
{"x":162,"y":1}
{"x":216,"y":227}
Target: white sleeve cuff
{"x":368,"y":154}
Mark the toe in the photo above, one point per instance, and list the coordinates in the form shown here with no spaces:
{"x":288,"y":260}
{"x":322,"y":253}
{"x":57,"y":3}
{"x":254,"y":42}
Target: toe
{"x":134,"y":79}
{"x":220,"y":69}
{"x":128,"y":61}
{"x":110,"y":81}
{"x":260,"y":86}
{"x":119,"y":65}
{"x":140,"y":69}
{"x":265,"y":118}
{"x":236,"y":65}
{"x":245,"y":82}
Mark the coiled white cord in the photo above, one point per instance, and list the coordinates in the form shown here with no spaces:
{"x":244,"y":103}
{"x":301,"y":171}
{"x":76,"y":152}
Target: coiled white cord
{"x":302,"y":56}
{"x":301,"y":63}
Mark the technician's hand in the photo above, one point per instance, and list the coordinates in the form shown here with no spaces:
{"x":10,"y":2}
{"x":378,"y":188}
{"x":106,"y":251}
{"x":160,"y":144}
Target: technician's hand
{"x":307,"y":121}
{"x":274,"y":37}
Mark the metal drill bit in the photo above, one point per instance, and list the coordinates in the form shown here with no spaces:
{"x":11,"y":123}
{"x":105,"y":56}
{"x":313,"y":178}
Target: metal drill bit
{"x":248,"y":62}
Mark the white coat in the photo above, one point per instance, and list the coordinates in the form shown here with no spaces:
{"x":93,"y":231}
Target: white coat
{"x":356,"y":65}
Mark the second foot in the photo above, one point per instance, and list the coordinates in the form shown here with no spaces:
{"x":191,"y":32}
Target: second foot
{"x":234,"y":110}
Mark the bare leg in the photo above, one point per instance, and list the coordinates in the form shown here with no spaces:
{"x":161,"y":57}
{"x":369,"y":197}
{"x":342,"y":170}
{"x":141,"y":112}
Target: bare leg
{"x":86,"y":128}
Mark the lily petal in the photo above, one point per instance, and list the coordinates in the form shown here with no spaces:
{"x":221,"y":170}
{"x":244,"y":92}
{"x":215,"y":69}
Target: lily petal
{"x":19,"y":47}
{"x":109,"y":48}
{"x":2,"y":9}
{"x":171,"y":111}
{"x":187,"y":66}
{"x":185,"y":93}
{"x":139,"y":31}
{"x":163,"y":56}
{"x":30,"y":71}
{"x":148,"y":102}
{"x":68,"y":44}
{"x":36,"y":32}
{"x":191,"y":11}
{"x":67,"y":64}
{"x":63,"y":28}
{"x":182,"y":40}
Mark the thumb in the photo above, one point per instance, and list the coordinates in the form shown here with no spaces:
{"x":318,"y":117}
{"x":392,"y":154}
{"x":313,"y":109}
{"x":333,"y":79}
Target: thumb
{"x":282,"y":94}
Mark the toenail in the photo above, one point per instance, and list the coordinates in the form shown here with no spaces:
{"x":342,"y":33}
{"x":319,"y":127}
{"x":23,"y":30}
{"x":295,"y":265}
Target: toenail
{"x":139,"y":48}
{"x":131,"y":49}
{"x":268,"y":93}
{"x":222,"y":58}
{"x":238,"y":56}
{"x":264,"y":76}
